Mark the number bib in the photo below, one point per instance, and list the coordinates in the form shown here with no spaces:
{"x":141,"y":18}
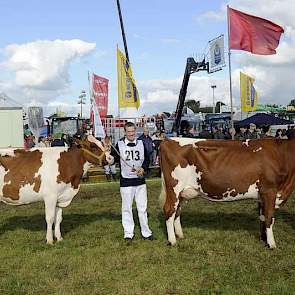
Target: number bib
{"x":133,"y":156}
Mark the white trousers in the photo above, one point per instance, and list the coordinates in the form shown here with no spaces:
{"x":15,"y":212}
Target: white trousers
{"x":110,"y":169}
{"x":140,"y":194}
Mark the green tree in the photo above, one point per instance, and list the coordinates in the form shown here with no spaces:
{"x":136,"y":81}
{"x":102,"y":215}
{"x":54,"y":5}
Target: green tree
{"x":194,"y":105}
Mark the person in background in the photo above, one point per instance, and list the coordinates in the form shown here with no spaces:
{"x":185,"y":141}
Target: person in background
{"x":280,"y":135}
{"x":190,"y":132}
{"x":156,"y":141}
{"x":290,"y":132}
{"x":64,"y":138}
{"x":218,"y":133}
{"x":252,"y":133}
{"x":148,"y":144}
{"x":134,"y":162}
{"x":41,"y":142}
{"x":109,"y":170}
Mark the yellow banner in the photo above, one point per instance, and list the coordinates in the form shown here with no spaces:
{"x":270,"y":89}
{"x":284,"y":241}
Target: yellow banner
{"x":248,"y":93}
{"x":127,"y":91}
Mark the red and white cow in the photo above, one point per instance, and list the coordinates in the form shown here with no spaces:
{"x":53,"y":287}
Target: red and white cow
{"x":49,"y":174}
{"x":220,"y":170}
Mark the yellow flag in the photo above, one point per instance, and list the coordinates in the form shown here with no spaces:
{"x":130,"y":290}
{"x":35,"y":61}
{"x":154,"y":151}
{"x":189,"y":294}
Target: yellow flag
{"x":248,"y":93}
{"x":127,"y":91}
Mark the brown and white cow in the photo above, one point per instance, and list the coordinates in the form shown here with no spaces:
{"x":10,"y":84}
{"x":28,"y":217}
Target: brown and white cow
{"x":220,"y":170}
{"x":49,"y":174}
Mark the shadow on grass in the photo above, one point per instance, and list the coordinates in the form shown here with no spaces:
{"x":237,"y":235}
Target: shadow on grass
{"x":70,"y":221}
{"x":216,"y":221}
{"x":286,"y":216}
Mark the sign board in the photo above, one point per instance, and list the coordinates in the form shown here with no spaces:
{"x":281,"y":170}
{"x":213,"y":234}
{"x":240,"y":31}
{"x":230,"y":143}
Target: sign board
{"x":216,"y":54}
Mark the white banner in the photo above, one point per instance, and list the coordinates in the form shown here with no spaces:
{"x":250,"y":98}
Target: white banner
{"x":97,"y":125}
{"x":216,"y":54}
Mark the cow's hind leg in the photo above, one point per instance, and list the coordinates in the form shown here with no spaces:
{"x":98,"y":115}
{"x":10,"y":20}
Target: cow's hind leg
{"x":57,"y":222}
{"x":50,"y":205}
{"x":262,"y":221}
{"x":177,"y":223}
{"x":269,"y":207}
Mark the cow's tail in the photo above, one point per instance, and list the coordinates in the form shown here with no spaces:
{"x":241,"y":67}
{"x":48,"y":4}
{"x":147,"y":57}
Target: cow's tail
{"x":163,"y":193}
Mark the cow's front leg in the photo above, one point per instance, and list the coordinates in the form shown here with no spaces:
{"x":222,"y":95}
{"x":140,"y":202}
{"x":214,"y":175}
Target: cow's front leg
{"x":57,"y":222}
{"x":50,"y":204}
{"x":177,"y":223}
{"x":170,"y":229}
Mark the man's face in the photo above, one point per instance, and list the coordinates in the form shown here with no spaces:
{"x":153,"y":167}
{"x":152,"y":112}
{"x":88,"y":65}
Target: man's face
{"x":146,"y":131}
{"x":130,"y":133}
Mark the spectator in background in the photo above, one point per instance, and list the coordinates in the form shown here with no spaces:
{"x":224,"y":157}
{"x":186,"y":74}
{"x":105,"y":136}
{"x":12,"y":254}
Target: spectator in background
{"x":252,"y":133}
{"x":280,"y":135}
{"x":57,"y":141}
{"x":41,"y":142}
{"x":159,"y":122}
{"x":190,"y":132}
{"x":156,"y":141}
{"x":148,"y":144}
{"x":290,"y":132}
{"x":265,"y":131}
{"x":64,"y":138}
{"x":241,"y":134}
{"x":218,"y":133}
{"x":109,"y":170}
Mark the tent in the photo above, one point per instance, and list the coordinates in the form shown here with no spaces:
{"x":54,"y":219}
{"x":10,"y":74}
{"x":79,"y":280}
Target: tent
{"x":262,"y":119}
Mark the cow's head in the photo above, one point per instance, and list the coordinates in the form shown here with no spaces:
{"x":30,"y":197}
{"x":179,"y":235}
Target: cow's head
{"x":94,"y":151}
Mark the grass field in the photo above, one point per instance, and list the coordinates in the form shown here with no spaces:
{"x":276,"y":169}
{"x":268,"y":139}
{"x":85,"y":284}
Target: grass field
{"x":221,"y":252}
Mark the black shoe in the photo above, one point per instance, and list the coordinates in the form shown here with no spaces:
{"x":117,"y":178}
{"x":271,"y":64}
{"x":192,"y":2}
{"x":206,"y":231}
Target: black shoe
{"x":150,"y":238}
{"x":128,"y":240}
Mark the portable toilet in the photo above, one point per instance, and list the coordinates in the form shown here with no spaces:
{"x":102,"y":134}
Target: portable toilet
{"x":11,"y":127}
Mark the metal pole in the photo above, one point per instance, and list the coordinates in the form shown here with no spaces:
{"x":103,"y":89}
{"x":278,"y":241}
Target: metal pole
{"x":213,"y":87}
{"x":229,"y":68}
{"x":122,"y":30}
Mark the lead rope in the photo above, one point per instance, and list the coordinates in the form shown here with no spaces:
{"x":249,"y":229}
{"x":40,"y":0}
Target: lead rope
{"x":99,"y":158}
{"x":121,"y":157}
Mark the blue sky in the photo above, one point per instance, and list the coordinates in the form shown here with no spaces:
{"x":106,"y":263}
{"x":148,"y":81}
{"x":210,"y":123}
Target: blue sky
{"x":37,"y":70}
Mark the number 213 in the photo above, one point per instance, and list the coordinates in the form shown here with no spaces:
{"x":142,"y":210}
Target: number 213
{"x":132,"y":155}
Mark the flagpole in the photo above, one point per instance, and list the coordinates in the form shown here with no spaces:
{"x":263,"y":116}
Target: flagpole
{"x":229,"y":69}
{"x":123,"y":31}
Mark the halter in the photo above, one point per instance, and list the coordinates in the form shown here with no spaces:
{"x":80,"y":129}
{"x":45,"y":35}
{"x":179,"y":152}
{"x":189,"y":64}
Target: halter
{"x":99,"y":158}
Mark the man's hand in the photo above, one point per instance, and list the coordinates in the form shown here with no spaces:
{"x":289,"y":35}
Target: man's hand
{"x":140,"y":172}
{"x":110,"y":159}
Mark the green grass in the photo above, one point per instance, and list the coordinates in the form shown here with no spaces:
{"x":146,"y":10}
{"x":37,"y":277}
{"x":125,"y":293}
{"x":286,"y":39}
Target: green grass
{"x":221,"y":252}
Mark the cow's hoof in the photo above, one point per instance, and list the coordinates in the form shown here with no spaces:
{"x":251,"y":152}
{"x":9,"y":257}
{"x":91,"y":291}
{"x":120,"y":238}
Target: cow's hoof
{"x":49,"y":242}
{"x":59,"y":239}
{"x":171,"y":244}
{"x":180,"y":237}
{"x":271,"y":247}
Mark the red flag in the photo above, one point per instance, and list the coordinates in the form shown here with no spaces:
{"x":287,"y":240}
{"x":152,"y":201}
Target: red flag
{"x":252,"y":33}
{"x":100,"y":88}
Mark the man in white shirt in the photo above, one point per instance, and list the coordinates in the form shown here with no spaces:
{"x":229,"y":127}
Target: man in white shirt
{"x":134,"y":162}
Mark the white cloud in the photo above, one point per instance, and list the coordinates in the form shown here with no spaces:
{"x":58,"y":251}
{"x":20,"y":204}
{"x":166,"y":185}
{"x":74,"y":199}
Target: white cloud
{"x":41,"y":68}
{"x":162,"y":95}
{"x":213,"y":15}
